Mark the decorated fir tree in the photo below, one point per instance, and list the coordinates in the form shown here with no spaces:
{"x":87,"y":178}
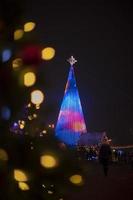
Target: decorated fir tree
{"x":33,"y":163}
{"x":70,"y":124}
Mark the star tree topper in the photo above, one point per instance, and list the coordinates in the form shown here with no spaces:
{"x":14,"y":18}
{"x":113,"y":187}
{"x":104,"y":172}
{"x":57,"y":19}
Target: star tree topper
{"x":72,"y":60}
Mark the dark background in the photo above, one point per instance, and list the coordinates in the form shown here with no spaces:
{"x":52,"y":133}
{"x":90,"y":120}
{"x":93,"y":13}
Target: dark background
{"x":100,"y":36}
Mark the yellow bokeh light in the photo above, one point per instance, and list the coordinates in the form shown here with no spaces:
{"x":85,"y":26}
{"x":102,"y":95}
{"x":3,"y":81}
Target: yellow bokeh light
{"x":29,"y":105}
{"x":50,"y":192}
{"x":30,"y":117}
{"x":37,"y":97}
{"x":3,"y":155}
{"x":35,"y":115}
{"x":37,"y":106}
{"x":48,"y":161}
{"x":44,"y":131}
{"x":21,"y":124}
{"x":29,"y":26}
{"x":16,"y":63}
{"x":29,"y":79}
{"x":76,"y":179}
{"x":48,"y":53}
{"x":18,"y":34}
{"x":23,"y":186}
{"x":20,"y":175}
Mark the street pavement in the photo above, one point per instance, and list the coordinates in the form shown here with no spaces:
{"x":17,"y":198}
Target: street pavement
{"x":118,"y":185}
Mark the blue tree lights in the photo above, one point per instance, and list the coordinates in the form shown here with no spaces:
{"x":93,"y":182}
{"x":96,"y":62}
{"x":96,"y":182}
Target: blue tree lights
{"x":70,"y":124}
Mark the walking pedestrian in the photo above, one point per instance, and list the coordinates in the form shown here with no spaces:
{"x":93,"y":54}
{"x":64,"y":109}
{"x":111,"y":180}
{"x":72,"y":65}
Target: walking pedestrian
{"x":105,"y":155}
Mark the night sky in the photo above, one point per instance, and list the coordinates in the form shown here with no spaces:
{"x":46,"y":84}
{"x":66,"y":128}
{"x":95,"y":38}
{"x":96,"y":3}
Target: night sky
{"x":100,"y":36}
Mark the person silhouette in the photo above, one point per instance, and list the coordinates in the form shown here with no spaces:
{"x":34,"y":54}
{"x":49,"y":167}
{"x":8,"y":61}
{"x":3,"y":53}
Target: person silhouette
{"x":105,"y":155}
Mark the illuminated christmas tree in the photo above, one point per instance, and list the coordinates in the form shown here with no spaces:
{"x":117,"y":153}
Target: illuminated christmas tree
{"x":70,"y":124}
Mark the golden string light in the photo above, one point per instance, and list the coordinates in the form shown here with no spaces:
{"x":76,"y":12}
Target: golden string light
{"x":48,"y":53}
{"x":18,"y":34}
{"x":3,"y":155}
{"x":21,"y":124}
{"x":23,"y":186}
{"x":16,"y":63}
{"x":19,"y":175}
{"x":29,"y":79}
{"x":29,"y":26}
{"x":48,"y":161}
{"x":76,"y":179}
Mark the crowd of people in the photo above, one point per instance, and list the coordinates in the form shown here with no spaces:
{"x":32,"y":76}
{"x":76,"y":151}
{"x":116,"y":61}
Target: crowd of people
{"x":105,"y":154}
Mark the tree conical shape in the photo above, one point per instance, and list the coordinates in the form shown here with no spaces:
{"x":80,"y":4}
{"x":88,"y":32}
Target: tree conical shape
{"x":70,"y":124}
